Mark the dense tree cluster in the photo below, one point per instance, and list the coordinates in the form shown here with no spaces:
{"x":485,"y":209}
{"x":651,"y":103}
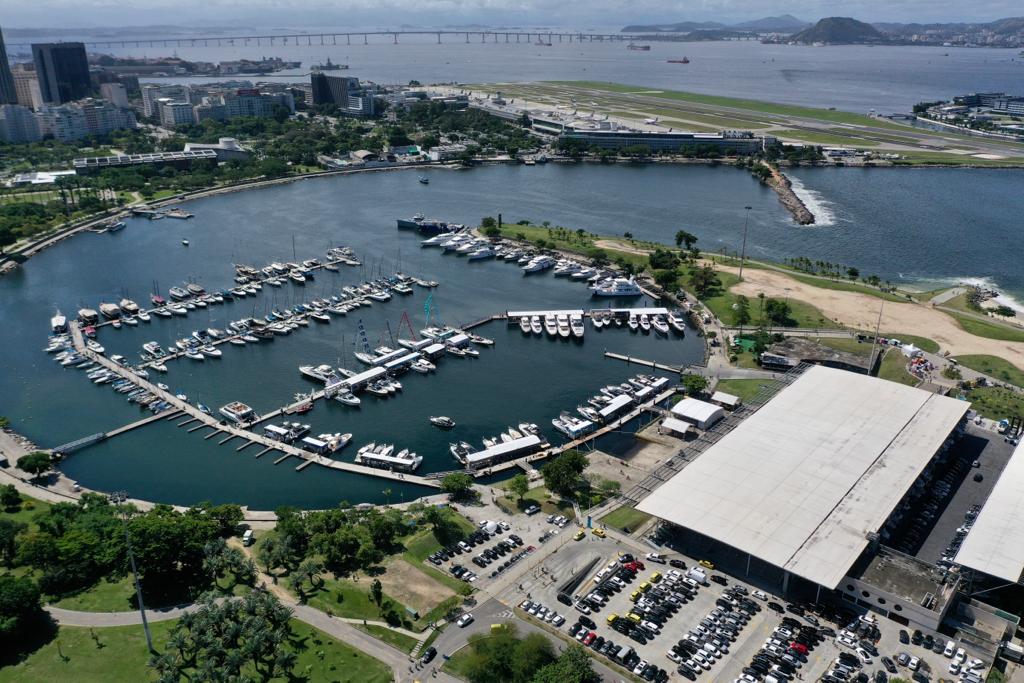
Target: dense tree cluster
{"x":563,"y":474}
{"x":242,"y":639}
{"x":506,"y":657}
{"x":346,"y":538}
{"x":72,"y":546}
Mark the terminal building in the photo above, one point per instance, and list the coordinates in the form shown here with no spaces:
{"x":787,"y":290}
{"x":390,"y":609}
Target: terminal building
{"x":736,"y":142}
{"x":802,"y":494}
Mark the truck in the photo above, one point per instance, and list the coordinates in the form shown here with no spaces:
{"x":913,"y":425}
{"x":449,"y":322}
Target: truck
{"x":698,"y":575}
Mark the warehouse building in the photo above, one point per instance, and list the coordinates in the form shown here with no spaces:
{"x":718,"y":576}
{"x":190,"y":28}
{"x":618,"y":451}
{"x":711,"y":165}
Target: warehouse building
{"x":804,"y":487}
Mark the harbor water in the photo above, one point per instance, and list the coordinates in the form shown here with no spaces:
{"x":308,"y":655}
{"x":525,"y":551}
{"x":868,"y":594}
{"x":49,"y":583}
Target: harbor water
{"x":519,"y":379}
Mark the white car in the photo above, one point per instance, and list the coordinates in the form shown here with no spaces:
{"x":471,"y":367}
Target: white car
{"x":954,"y":668}
{"x":640,"y":666}
{"x":558,"y":620}
{"x":656,"y":557}
{"x":674,"y":657}
{"x":760,"y":595}
{"x":864,"y":656}
{"x":465,"y":620}
{"x":976,"y":664}
{"x":914,"y":663}
{"x":702,"y":660}
{"x":651,"y":626}
{"x":950,"y":648}
{"x":505,"y":525}
{"x":674,"y":574}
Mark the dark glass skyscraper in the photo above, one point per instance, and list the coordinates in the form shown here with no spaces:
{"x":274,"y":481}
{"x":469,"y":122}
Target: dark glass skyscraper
{"x":63,"y":71}
{"x":8,"y":95}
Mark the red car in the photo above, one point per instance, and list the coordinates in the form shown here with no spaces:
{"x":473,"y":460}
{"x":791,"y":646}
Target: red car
{"x":798,"y":647}
{"x":589,"y":638}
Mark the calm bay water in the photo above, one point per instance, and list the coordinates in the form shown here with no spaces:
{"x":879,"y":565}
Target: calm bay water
{"x":852,"y":78}
{"x":927,"y":224}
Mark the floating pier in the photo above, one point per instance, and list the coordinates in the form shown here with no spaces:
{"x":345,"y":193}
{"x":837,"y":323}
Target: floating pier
{"x":646,"y":363}
{"x":209,"y":421}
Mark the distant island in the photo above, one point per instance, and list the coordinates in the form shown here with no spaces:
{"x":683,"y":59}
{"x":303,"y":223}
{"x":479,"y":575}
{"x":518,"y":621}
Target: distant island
{"x":1005,"y":33}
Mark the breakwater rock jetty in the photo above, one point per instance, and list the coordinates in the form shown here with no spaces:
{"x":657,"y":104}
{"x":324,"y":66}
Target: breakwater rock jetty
{"x":784,"y":189}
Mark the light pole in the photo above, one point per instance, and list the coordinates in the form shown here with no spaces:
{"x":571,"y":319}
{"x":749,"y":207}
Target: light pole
{"x":120,"y":498}
{"x":743,"y":249}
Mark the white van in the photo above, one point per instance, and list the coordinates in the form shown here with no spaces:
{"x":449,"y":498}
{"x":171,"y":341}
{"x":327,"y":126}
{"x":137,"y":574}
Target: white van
{"x":698,"y":575}
{"x":248,"y":538}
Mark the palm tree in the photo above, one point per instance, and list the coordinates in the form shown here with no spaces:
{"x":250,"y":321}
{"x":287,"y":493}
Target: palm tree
{"x":311,"y":571}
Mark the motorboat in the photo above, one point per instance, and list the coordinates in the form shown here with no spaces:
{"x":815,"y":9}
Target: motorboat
{"x":236,"y":341}
{"x":477,"y":339}
{"x":566,"y":268}
{"x":194,"y":354}
{"x":551,"y":325}
{"x":422,"y":366}
{"x":460,"y":450}
{"x":536,"y":326}
{"x":634,"y":324}
{"x":677,"y":322}
{"x":320,"y":317}
{"x":347,"y":398}
{"x":130,"y":320}
{"x":482,"y":253}
{"x":576,"y":326}
{"x":194,"y":289}
{"x":442,"y":421}
{"x":319,"y":373}
{"x":524,"y":325}
{"x":659,"y":325}
{"x":563,"y":326}
{"x":144,"y":316}
{"x":297,"y":277}
{"x":178,"y":294}
{"x":645,"y":323}
{"x":110,"y":311}
{"x":336,"y":441}
{"x":538,"y":264}
{"x":212,"y":351}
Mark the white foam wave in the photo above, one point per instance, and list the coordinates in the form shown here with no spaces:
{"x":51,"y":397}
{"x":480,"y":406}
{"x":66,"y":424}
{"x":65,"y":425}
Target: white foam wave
{"x":815,"y":202}
{"x":972,"y":281}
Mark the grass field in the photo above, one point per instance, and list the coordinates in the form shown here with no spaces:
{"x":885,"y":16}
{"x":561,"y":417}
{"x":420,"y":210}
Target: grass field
{"x":549,"y":503}
{"x":846,"y":344}
{"x":397,"y":640}
{"x":456,"y":664}
{"x":625,"y":519}
{"x":121,"y":656}
{"x":746,"y":389}
{"x":983,"y":328}
{"x":823,"y":138}
{"x":30,"y":507}
{"x":923,"y":343}
{"x":894,"y":368}
{"x":914,"y":158}
{"x":996,"y":403}
{"x":346,"y":598}
{"x":737,"y":103}
{"x":119,"y":596}
{"x":994,"y":367}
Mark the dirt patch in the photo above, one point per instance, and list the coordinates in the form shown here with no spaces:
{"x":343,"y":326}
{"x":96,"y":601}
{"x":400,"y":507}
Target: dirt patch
{"x":649,"y":452}
{"x":622,"y":246}
{"x":411,"y":587}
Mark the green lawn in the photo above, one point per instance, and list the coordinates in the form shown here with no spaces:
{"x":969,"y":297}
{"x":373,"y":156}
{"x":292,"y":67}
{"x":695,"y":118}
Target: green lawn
{"x":456,"y":664}
{"x":923,"y":343}
{"x":393,"y":638}
{"x":994,"y":367}
{"x":894,"y":368}
{"x":801,"y":313}
{"x":625,"y":519}
{"x":549,"y":503}
{"x":423,"y":543}
{"x":119,"y":596}
{"x":30,"y":507}
{"x":345,"y":598}
{"x":996,"y":403}
{"x":824,"y":138}
{"x":915,"y":158}
{"x":74,"y":655}
{"x":846,"y":344}
{"x":989,"y":330}
{"x":746,"y":389}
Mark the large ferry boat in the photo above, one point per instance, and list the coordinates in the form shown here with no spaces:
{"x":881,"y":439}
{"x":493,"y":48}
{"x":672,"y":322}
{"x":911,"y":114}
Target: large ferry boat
{"x":426,"y":225}
{"x":238,"y":412}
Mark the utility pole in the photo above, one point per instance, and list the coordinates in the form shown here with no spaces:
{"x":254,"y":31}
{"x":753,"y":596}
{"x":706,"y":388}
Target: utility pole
{"x":120,"y":498}
{"x":743,"y":249}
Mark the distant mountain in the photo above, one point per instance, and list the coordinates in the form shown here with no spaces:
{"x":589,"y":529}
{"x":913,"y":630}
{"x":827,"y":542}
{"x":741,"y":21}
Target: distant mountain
{"x":786,"y":23}
{"x":680,"y":27}
{"x":839,"y":31}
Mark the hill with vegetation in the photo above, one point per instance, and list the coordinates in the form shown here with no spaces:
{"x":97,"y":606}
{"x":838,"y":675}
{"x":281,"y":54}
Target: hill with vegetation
{"x":839,"y":31}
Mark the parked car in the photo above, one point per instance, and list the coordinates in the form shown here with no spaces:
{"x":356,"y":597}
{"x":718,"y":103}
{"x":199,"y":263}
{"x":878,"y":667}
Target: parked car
{"x":465,"y":620}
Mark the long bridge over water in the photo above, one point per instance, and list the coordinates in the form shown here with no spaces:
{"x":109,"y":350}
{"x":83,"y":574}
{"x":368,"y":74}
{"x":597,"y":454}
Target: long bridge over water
{"x":544,"y":38}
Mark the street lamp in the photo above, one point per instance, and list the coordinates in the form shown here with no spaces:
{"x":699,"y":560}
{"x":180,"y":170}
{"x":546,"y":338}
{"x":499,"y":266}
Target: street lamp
{"x":120,"y":498}
{"x":743,"y":249}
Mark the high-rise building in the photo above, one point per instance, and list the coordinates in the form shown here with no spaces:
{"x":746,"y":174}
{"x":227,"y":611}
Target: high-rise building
{"x":26,"y":85}
{"x":63,"y":71}
{"x":347,"y":93}
{"x":8,"y":95}
{"x":18,"y":124}
{"x":115,"y":93}
{"x":152,"y":93}
{"x":175,"y":113}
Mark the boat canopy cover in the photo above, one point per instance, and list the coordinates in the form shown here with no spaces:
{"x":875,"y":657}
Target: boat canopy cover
{"x":504,"y":449}
{"x":615,"y":405}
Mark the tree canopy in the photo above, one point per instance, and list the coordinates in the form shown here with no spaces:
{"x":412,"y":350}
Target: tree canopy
{"x":562,"y":474}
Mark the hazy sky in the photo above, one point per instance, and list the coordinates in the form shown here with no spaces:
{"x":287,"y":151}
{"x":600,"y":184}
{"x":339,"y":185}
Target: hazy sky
{"x":393,"y":13}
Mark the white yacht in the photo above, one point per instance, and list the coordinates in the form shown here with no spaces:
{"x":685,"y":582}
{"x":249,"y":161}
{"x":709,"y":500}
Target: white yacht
{"x":551,"y":325}
{"x":576,"y":326}
{"x":617,"y":287}
{"x":535,"y":325}
{"x":677,"y":322}
{"x":538,"y":264}
{"x":58,"y":323}
{"x":482,"y":253}
{"x":563,"y":326}
{"x":659,"y":325}
{"x":524,"y":325}
{"x":319,"y":373}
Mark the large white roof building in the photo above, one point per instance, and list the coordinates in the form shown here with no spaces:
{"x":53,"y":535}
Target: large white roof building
{"x":803,"y":482}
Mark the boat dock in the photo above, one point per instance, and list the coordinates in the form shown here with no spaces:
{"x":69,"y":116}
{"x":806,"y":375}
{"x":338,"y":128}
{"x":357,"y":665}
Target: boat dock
{"x":204,"y":420}
{"x":646,"y":363}
{"x":157,"y":214}
{"x":514,"y":316}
